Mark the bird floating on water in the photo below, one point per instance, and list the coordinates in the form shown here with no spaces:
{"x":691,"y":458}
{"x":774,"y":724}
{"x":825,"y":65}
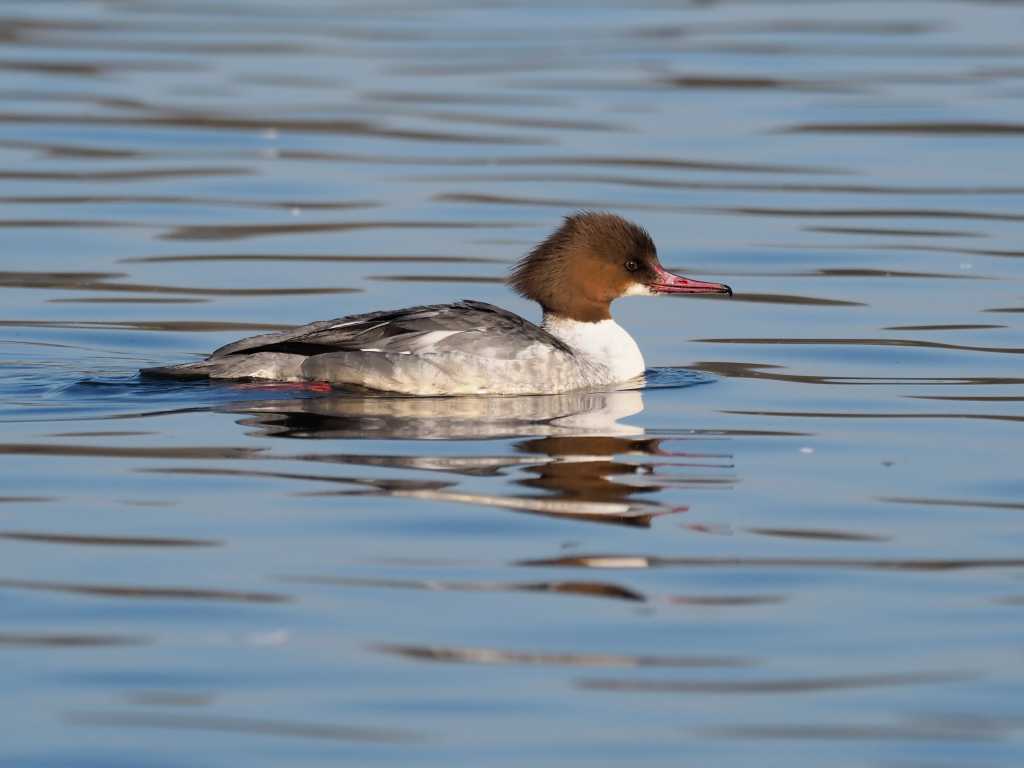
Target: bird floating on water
{"x":474,"y":348}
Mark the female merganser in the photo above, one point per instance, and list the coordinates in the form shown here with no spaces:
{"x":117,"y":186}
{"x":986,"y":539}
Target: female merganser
{"x":473,"y":348}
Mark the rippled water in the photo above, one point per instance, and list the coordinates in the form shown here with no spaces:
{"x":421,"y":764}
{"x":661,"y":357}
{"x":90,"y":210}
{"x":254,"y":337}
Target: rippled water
{"x":801,"y":544}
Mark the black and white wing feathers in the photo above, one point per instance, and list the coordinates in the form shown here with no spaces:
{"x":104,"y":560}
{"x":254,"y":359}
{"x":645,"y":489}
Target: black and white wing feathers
{"x":471,"y":327}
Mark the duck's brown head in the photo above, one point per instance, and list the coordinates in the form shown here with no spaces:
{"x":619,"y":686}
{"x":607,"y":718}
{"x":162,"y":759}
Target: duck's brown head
{"x":593,"y":259}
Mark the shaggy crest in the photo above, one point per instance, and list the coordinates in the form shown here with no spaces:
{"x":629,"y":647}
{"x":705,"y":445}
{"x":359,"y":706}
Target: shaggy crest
{"x":561,"y":268}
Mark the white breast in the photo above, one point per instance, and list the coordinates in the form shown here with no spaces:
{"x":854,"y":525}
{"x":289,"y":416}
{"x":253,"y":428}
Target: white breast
{"x":605,"y":342}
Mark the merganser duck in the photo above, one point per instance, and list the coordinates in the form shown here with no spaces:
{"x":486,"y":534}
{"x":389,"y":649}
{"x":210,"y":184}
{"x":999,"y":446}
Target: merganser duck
{"x":473,"y":348}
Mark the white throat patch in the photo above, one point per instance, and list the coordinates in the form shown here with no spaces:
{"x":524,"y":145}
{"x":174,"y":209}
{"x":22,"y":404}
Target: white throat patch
{"x":606,"y":342}
{"x":638,"y":289}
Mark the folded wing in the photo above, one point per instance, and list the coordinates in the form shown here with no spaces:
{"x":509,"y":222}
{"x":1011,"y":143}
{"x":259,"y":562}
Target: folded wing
{"x":470,"y":327}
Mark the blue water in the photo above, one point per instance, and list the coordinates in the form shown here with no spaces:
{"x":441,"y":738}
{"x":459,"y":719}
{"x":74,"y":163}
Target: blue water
{"x":800,"y":544}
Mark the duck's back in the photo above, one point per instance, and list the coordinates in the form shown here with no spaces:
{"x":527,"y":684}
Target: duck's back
{"x":469,"y":347}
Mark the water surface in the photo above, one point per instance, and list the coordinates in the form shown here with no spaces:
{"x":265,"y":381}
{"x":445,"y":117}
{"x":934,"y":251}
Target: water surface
{"x":800,"y":544}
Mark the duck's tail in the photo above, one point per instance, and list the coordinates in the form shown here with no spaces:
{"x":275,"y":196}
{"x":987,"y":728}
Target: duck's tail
{"x":277,"y":366}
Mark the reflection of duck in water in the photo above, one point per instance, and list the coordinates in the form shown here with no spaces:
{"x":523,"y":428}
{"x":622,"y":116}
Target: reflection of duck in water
{"x":475,"y":348}
{"x":572,"y":454}
{"x":585,"y":468}
{"x":448,"y":418}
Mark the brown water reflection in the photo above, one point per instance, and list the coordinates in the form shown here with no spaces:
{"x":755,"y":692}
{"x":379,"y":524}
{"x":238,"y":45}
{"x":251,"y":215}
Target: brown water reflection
{"x":145,"y":593}
{"x":105,"y":541}
{"x":495,"y":656}
{"x":872,"y":343}
{"x":795,"y":533}
{"x":643,"y":561}
{"x":962,"y":129}
{"x":244,"y":725}
{"x":772,"y":687}
{"x":570,"y":588}
{"x":769,"y":371}
{"x":100,"y":281}
{"x":290,"y":257}
{"x":748,"y":186}
{"x":880,"y":732}
{"x":53,"y":640}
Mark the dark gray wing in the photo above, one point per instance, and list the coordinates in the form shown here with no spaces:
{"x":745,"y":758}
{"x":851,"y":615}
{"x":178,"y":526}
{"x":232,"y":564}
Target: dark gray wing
{"x":467,"y":326}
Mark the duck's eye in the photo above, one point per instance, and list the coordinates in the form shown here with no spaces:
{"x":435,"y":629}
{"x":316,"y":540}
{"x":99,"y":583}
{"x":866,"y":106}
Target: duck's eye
{"x":632,"y":266}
